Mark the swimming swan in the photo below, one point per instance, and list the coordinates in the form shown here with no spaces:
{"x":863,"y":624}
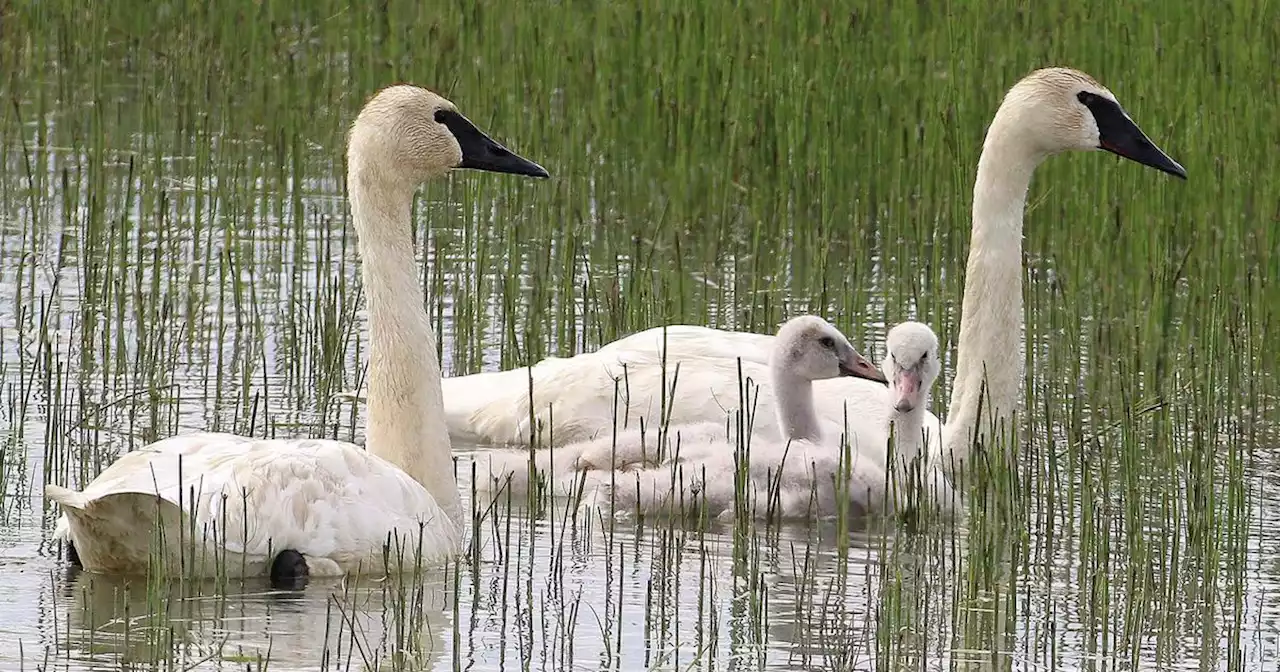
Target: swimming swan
{"x":225,"y":505}
{"x":660,"y":471}
{"x":911,"y":365}
{"x":1049,"y":111}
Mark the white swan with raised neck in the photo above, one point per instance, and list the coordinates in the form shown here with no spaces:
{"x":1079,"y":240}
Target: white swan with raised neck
{"x":912,"y":365}
{"x":225,"y":505}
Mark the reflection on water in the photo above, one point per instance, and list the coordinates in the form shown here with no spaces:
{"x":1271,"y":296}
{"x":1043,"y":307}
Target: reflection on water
{"x":113,"y":622}
{"x":549,"y":591}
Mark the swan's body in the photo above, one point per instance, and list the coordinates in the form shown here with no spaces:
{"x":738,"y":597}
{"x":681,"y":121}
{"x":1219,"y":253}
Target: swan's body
{"x":1047,"y":112}
{"x":252,"y":498}
{"x":218,"y":504}
{"x":802,"y":474}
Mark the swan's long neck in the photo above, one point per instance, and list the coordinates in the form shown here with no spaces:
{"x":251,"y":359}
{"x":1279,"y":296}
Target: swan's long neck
{"x":908,"y":434}
{"x":990,"y":362}
{"x":793,"y":396}
{"x":406,"y":406}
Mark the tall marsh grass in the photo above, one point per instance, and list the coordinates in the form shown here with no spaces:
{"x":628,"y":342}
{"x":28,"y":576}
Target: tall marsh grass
{"x":175,"y":254}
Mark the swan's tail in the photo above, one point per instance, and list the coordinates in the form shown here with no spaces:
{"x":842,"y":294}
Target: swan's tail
{"x":570,"y":396}
{"x":486,"y":407}
{"x":490,"y":407}
{"x":65,"y":497}
{"x":70,"y":501}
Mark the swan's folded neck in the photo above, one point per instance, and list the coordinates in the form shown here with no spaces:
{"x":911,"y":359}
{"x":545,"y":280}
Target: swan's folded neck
{"x":793,"y":396}
{"x":989,"y":364}
{"x":406,"y":408}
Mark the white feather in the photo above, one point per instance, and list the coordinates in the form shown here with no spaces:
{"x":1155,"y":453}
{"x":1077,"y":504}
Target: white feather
{"x":226,"y":504}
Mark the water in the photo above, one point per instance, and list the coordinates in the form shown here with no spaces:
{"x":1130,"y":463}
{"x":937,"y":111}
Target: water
{"x":537,"y":590}
{"x":175,"y":256}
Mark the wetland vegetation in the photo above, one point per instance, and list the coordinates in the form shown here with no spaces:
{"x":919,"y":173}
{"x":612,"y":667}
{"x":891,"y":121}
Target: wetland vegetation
{"x":176,"y":255}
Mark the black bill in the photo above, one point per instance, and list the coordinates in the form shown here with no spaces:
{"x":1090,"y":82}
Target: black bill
{"x":480,"y":152}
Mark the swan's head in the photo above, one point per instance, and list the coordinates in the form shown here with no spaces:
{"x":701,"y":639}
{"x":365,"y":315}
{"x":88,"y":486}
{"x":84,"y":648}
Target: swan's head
{"x":911,"y":365}
{"x":1060,"y":109}
{"x":809,"y":347}
{"x":408,"y":134}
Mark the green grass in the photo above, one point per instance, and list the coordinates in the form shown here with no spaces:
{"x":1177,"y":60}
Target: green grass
{"x":175,"y":254}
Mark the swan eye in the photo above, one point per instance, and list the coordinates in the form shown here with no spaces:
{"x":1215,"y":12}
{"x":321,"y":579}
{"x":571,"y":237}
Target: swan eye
{"x":828,"y":342}
{"x":441,"y":116}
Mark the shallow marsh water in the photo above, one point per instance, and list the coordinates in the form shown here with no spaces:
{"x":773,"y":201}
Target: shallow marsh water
{"x":175,"y":254}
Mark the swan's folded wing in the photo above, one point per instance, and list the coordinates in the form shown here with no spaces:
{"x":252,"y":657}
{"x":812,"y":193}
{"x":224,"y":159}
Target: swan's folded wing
{"x":260,"y":496}
{"x":583,"y":390}
{"x":160,"y":468}
{"x":324,"y":498}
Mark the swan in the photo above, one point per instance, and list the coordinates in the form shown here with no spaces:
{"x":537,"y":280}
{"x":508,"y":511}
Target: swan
{"x":226,"y":505}
{"x":806,"y":349}
{"x":657,"y":471}
{"x":1049,"y":111}
{"x":911,"y":365}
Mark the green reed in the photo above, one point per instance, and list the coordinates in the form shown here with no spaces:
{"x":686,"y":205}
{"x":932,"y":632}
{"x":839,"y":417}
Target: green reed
{"x":177,"y":256}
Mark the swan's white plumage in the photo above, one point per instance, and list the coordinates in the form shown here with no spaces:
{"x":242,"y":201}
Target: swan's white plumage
{"x":796,"y":480}
{"x":225,"y":504}
{"x":1043,"y":114}
{"x":911,"y":354}
{"x":236,"y":501}
{"x":584,"y":394}
{"x":797,"y":469}
{"x":472,"y":402}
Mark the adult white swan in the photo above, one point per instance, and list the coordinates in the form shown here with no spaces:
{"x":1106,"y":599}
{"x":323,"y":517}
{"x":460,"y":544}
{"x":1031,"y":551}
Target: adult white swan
{"x":1049,"y":111}
{"x":219,"y":504}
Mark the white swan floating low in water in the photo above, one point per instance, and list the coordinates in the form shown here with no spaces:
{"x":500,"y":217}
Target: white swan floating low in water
{"x":225,"y":505}
{"x":803,"y":474}
{"x":1049,"y":111}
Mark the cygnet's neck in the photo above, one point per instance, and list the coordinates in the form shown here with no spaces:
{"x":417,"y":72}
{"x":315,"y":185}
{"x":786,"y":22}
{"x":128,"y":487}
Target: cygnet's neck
{"x":989,"y":365}
{"x":406,"y":423}
{"x":793,"y":396}
{"x":908,"y":433}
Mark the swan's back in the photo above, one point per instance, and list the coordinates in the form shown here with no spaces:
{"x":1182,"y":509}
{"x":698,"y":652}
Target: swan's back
{"x":493,"y":407}
{"x":684,"y":340}
{"x":618,"y":388}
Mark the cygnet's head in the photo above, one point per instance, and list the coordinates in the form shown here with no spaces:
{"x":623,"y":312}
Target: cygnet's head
{"x":911,"y":365}
{"x":808,"y":347}
{"x":406,"y":135}
{"x":1060,"y":109}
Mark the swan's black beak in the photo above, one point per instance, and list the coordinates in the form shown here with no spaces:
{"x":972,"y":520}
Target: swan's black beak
{"x":1119,"y":135}
{"x":859,"y":367}
{"x":481,"y":152}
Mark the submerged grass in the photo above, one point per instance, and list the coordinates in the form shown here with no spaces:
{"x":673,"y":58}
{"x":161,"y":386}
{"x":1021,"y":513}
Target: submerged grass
{"x":175,"y":255}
